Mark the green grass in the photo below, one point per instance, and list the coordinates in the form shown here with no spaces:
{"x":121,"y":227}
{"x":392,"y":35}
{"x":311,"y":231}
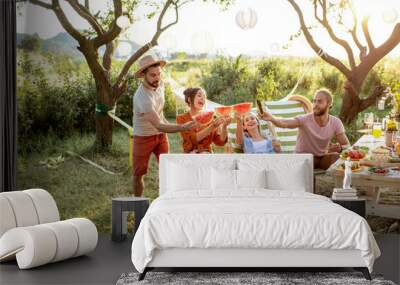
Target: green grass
{"x":80,"y":189}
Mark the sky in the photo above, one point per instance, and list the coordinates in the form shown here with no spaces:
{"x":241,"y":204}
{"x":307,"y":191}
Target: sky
{"x":206,"y":27}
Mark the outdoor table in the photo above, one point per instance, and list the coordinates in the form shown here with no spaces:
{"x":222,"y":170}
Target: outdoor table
{"x":375,"y":183}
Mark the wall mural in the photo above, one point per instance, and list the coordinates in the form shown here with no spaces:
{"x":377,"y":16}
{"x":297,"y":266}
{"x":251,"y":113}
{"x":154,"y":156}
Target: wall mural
{"x":81,"y":127}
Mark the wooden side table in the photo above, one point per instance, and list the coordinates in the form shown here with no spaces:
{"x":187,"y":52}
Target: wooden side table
{"x":138,"y":205}
{"x":357,"y":206}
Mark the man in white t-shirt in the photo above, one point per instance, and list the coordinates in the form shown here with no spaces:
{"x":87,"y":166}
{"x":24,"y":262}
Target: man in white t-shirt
{"x":149,"y":124}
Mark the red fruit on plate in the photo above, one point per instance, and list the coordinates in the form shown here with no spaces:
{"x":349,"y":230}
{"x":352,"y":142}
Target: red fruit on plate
{"x":204,"y":117}
{"x":224,"y":110}
{"x":243,"y":108}
{"x":355,"y":154}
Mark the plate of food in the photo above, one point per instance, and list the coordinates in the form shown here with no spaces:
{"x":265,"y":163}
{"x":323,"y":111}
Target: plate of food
{"x":361,"y":148}
{"x":381,"y":154}
{"x":355,"y":167}
{"x":378,"y":170}
{"x":353,"y":154}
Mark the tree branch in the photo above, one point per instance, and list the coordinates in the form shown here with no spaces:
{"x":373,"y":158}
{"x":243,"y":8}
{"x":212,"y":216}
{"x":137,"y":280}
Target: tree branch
{"x":378,"y":53}
{"x":353,"y":32}
{"x":66,"y":23}
{"x":111,"y":34}
{"x":371,"y":100}
{"x":325,"y":23}
{"x":326,"y":57}
{"x":363,"y":49}
{"x":162,"y":14}
{"x":367,"y":34}
{"x":85,"y":13}
{"x":176,"y":17}
{"x":55,"y":6}
{"x":153,"y":41}
{"x":316,"y":11}
{"x":41,"y":4}
{"x":107,"y":56}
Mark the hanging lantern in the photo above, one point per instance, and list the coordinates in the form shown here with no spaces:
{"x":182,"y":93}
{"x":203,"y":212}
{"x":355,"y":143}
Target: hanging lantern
{"x":390,"y":16}
{"x":123,"y":22}
{"x":246,"y":19}
{"x":202,"y":42}
{"x":381,"y":105}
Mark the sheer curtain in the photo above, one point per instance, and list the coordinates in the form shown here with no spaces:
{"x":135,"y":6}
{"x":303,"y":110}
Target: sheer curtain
{"x":8,"y":104}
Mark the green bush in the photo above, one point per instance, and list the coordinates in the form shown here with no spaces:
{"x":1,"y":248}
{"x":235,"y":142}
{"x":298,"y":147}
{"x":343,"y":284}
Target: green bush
{"x":331,"y":79}
{"x":373,"y":79}
{"x":125,"y":103}
{"x":57,"y":95}
{"x":45,"y":108}
{"x":170,"y":102}
{"x":229,"y":81}
{"x":267,"y":88}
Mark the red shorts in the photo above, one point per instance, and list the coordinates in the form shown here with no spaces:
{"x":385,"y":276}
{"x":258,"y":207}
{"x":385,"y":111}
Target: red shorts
{"x":143,"y":147}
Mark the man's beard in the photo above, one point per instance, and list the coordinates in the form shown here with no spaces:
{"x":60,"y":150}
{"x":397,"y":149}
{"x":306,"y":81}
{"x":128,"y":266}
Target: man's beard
{"x":321,"y":112}
{"x":154,"y":84}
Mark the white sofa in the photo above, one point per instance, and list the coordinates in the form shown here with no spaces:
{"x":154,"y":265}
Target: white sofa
{"x":31,"y":231}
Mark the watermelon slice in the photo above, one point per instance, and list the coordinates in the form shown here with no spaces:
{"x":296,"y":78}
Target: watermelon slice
{"x":224,"y":110}
{"x":243,"y":108}
{"x":204,"y":117}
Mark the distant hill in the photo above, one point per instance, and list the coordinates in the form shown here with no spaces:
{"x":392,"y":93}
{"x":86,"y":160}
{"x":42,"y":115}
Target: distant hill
{"x":64,"y":44}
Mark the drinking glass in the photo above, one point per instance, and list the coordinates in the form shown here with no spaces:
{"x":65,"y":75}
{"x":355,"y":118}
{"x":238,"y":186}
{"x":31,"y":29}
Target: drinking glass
{"x":377,"y":130}
{"x":369,"y":120}
{"x":397,"y":144}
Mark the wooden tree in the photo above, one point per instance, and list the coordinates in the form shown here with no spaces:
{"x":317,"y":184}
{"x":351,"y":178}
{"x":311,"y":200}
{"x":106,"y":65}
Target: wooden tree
{"x":105,"y":31}
{"x":354,"y":71}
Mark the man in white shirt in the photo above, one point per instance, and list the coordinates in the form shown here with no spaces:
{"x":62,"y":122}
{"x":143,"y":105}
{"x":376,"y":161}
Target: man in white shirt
{"x":149,"y":124}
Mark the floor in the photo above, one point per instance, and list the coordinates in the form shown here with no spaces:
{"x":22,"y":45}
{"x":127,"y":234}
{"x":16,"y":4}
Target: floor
{"x":103,"y":266}
{"x":110,"y":260}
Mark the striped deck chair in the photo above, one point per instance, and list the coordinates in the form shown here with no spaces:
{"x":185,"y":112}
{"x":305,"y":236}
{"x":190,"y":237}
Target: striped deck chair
{"x":285,"y":109}
{"x":280,"y":109}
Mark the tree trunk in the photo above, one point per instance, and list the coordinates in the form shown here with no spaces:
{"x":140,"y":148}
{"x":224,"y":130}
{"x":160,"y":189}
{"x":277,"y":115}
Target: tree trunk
{"x":350,"y":107}
{"x":104,"y":123}
{"x":352,"y":103}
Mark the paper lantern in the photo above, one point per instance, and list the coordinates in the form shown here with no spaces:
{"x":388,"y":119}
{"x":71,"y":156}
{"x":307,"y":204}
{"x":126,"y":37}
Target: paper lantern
{"x":246,"y":19}
{"x":202,"y":42}
{"x":390,"y":16}
{"x":123,"y":22}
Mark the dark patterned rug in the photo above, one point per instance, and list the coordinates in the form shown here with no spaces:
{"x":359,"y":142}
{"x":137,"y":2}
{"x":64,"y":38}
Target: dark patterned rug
{"x":242,"y":278}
